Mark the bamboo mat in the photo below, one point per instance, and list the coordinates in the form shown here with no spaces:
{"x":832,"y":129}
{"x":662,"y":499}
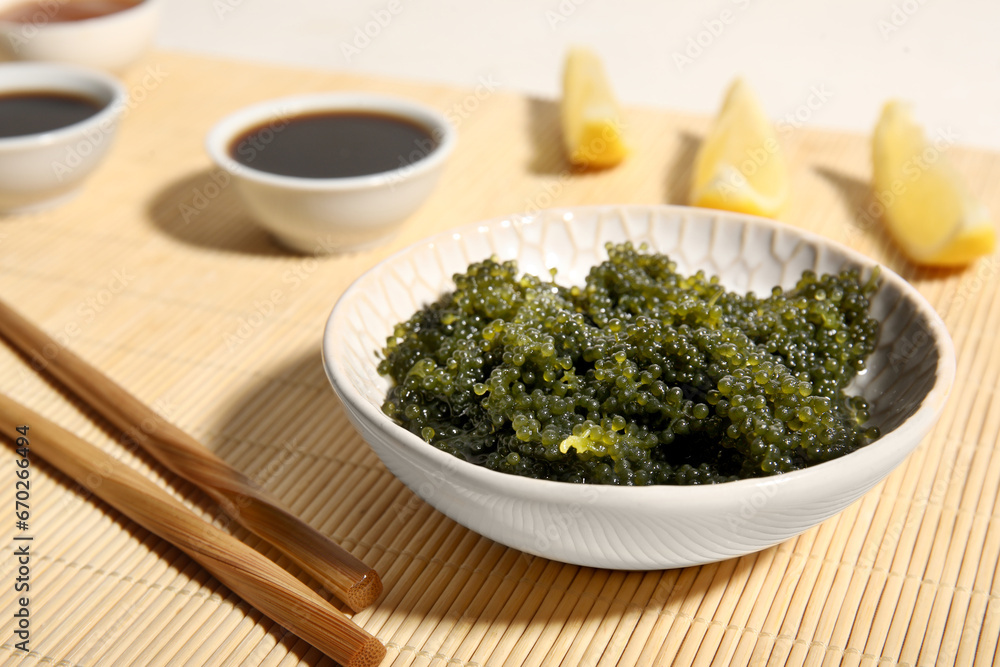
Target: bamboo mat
{"x":155,"y":275}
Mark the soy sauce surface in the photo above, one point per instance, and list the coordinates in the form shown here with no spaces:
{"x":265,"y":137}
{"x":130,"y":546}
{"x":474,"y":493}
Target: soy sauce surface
{"x":332,"y":144}
{"x":32,"y":112}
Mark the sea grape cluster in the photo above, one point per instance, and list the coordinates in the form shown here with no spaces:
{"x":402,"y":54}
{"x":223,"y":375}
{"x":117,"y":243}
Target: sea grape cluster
{"x":640,"y":376}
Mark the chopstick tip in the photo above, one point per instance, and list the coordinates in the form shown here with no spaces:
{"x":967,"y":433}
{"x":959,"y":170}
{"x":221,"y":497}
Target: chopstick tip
{"x":369,"y":655}
{"x":362,"y":594}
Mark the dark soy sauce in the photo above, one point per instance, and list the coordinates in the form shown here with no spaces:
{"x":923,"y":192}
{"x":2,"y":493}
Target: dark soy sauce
{"x":32,"y":112}
{"x":332,"y":144}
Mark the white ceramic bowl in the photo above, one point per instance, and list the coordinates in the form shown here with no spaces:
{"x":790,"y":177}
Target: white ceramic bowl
{"x":908,"y":381}
{"x":109,"y":42}
{"x":39,"y":170}
{"x":322,"y":215}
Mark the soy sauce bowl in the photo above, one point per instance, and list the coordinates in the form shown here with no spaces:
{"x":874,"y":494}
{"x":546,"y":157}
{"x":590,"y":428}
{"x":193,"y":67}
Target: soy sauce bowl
{"x":320,"y":215}
{"x":41,"y":169}
{"x":110,"y":41}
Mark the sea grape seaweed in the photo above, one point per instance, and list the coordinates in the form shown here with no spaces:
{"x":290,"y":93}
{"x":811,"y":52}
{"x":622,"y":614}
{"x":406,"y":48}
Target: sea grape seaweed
{"x":640,"y":376}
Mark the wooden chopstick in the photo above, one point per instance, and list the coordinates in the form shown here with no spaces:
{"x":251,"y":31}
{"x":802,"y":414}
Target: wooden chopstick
{"x":338,"y":570}
{"x":255,"y":578}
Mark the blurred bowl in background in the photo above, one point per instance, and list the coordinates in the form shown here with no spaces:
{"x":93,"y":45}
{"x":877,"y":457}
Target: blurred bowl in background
{"x":115,"y":35}
{"x":40,"y":169}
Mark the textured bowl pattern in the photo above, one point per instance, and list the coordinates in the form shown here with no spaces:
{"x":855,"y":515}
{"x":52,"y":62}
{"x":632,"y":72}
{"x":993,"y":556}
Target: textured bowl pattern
{"x":907,"y":382}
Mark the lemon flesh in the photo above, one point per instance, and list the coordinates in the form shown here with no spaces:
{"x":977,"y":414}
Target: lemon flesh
{"x":591,"y":118}
{"x":928,"y":209}
{"x":740,"y":166}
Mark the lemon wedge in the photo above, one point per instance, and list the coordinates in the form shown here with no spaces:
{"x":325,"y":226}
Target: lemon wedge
{"x":591,"y":119}
{"x":927,"y":207}
{"x":740,"y":166}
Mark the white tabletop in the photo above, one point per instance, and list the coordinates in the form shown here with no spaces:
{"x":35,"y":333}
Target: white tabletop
{"x":830,"y":64}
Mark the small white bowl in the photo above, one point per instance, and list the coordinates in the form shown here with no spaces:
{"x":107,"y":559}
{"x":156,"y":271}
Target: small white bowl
{"x":110,"y":42}
{"x":40,"y":170}
{"x":908,"y":380}
{"x":324,"y":215}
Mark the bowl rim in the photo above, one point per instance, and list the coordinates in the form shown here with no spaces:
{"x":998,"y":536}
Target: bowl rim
{"x":81,"y":24}
{"x":229,"y":127}
{"x":118,"y":96}
{"x":893,"y":446}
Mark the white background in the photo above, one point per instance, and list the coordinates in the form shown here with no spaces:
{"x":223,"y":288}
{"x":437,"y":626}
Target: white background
{"x":943,"y":56}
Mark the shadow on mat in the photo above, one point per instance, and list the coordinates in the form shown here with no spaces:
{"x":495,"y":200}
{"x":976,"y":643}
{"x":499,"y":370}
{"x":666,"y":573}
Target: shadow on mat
{"x":678,"y":185}
{"x":203,"y":209}
{"x":545,"y":129}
